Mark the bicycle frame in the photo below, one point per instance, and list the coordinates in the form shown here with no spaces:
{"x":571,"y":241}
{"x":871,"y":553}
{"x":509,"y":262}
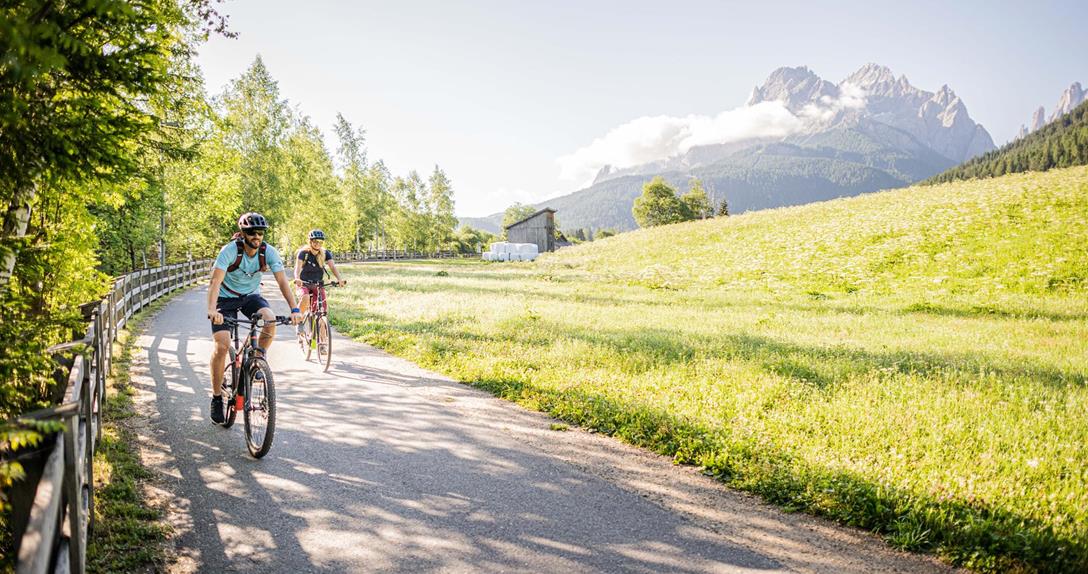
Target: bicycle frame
{"x":318,"y":301}
{"x":243,"y":353}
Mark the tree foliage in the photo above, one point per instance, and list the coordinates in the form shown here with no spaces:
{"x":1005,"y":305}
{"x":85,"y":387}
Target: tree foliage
{"x":79,"y":86}
{"x":659,"y":205}
{"x":697,"y":202}
{"x":516,"y":213}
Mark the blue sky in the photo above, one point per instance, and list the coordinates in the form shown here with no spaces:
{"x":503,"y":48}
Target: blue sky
{"x":497,"y":92}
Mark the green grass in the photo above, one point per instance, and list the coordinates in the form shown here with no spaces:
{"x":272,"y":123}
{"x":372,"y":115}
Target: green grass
{"x":910,"y":362}
{"x":129,"y":533}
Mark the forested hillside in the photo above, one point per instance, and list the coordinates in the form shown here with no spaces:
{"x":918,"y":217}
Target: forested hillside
{"x":1061,"y":143}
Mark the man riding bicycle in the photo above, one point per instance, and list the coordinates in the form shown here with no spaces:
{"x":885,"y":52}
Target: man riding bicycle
{"x":310,"y":264}
{"x":236,"y":286}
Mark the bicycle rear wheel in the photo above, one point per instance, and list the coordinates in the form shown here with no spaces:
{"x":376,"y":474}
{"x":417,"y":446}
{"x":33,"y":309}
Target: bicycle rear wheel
{"x":324,"y":342}
{"x":260,"y":408}
{"x":230,"y":385}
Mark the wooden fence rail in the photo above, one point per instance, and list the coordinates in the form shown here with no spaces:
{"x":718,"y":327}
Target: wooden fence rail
{"x":393,"y":255}
{"x":62,"y":513}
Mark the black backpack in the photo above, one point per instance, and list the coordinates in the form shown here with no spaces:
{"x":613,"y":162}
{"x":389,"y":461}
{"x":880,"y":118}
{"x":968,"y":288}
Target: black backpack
{"x":317,"y":260}
{"x":241,"y":245}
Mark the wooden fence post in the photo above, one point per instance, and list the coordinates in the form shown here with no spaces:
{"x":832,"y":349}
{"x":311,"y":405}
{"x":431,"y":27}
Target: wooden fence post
{"x":71,"y":492}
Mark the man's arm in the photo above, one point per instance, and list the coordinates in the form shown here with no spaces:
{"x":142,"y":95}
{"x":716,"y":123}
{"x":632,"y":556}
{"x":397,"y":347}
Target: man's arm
{"x":288,"y":294}
{"x":213,"y":295}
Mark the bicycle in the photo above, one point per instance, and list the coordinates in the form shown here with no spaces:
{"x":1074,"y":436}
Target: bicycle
{"x":249,"y":387}
{"x":317,"y":321}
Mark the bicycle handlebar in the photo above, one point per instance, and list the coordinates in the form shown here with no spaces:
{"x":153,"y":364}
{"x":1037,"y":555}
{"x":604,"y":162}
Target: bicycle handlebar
{"x":322,"y":284}
{"x":280,"y":320}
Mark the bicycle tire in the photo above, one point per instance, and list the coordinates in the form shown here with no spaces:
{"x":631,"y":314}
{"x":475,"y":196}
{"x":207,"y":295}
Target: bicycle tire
{"x":324,"y":349}
{"x":230,"y":383}
{"x":260,"y":403}
{"x":311,"y":323}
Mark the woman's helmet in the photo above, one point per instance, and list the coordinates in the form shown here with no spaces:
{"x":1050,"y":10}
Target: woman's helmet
{"x":317,"y":234}
{"x":252,"y":220}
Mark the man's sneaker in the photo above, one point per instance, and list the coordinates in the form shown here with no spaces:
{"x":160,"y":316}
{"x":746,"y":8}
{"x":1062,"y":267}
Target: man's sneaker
{"x":217,"y":411}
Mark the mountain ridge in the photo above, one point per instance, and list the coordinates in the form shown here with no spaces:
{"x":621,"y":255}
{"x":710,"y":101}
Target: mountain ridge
{"x":870,"y":131}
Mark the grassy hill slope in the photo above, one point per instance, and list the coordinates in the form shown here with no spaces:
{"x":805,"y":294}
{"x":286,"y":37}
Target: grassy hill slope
{"x":912,"y":362}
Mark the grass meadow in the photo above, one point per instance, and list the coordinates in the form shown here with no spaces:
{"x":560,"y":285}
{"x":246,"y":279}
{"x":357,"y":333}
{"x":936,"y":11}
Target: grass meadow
{"x":911,"y":362}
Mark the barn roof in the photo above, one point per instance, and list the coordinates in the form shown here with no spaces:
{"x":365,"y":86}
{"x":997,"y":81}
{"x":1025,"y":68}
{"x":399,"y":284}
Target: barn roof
{"x":530,"y":217}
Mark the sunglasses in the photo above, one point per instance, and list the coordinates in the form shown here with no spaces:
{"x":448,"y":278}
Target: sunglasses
{"x":254,"y":233}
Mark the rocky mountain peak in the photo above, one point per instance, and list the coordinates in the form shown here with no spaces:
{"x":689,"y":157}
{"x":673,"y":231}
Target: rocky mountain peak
{"x":872,"y":75}
{"x":603,"y":173}
{"x":1038,"y":119}
{"x":794,"y":87}
{"x":945,"y":96}
{"x":1071,"y":98}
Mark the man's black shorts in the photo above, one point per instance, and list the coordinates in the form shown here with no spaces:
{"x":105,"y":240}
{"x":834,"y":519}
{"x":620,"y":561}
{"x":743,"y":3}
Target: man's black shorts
{"x":247,"y":304}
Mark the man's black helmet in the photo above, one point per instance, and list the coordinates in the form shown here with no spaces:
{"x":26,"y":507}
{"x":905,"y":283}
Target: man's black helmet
{"x":317,"y":234}
{"x":252,"y":220}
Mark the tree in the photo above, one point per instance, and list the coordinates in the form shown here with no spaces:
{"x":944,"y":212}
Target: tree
{"x":723,"y":208}
{"x":440,"y":208}
{"x":69,"y":108}
{"x":471,"y":240}
{"x":697,"y":202}
{"x":308,"y":197}
{"x":363,"y":197}
{"x":256,"y":125}
{"x":378,"y":183}
{"x":514,"y":214}
{"x":659,"y":205}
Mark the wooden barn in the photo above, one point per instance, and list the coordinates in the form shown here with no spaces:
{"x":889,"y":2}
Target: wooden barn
{"x":538,"y":228}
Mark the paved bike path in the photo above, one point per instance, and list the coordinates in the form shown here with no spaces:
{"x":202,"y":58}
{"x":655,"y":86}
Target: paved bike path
{"x":380,"y":466}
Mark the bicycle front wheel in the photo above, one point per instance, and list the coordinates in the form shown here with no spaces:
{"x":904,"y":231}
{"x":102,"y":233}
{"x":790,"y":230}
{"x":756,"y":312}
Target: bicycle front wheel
{"x":324,"y":343}
{"x":260,"y":408}
{"x":302,"y":334}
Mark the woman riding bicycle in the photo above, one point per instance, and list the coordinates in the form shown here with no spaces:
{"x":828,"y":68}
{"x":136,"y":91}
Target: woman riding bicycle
{"x":310,"y":262}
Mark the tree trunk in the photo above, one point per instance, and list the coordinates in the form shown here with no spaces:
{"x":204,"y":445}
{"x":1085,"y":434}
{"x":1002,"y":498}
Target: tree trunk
{"x":14,"y":229}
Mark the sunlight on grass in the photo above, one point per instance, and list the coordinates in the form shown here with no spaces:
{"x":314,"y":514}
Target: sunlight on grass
{"x":911,"y":362}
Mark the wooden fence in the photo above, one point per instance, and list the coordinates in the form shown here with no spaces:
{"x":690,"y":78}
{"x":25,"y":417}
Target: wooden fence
{"x":62,"y":513}
{"x":392,"y":255}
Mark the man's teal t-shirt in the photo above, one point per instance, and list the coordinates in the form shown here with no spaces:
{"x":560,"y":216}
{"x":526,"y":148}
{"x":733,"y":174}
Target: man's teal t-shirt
{"x":247,"y":278}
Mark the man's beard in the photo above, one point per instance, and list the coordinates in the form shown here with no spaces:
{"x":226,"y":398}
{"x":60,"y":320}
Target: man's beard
{"x":254,"y":242}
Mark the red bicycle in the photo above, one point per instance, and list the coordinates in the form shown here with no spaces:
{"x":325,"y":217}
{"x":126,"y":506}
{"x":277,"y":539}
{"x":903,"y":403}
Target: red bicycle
{"x":314,"y":333}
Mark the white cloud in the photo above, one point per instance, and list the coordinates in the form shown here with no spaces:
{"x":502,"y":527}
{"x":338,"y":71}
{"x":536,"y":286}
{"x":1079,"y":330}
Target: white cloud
{"x":652,"y":138}
{"x":851,"y":97}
